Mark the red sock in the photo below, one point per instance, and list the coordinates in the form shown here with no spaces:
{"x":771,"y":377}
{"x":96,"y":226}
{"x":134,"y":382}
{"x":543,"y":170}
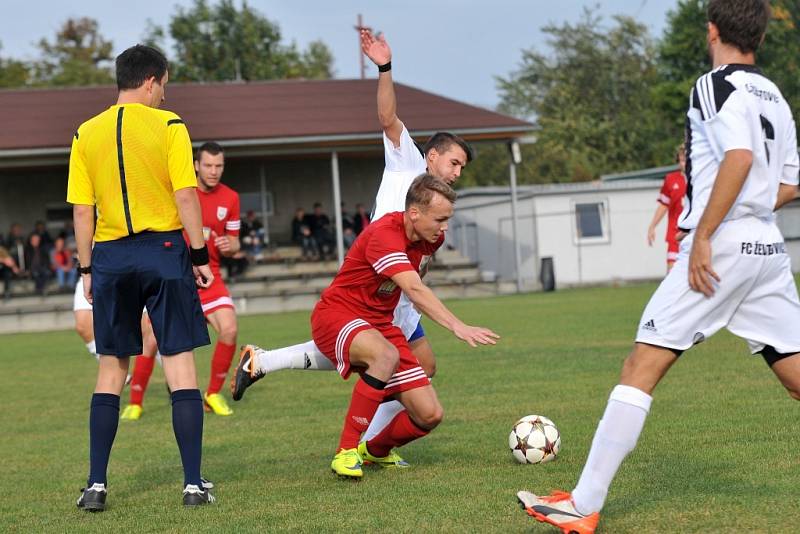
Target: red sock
{"x":363,"y":405}
{"x":220,"y":363}
{"x":398,"y":432}
{"x":142,"y":369}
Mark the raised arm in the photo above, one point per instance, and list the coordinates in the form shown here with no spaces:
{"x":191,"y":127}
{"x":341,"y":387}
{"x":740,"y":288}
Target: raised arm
{"x":426,"y":302}
{"x":378,"y":51}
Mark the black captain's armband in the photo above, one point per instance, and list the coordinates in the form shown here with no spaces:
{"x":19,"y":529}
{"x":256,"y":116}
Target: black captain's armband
{"x":386,"y":67}
{"x":84,"y":270}
{"x":199,"y":256}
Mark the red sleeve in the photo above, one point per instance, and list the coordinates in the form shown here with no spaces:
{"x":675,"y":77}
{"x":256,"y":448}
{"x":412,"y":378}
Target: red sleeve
{"x":664,"y":194}
{"x":233,"y":223}
{"x":386,"y":252}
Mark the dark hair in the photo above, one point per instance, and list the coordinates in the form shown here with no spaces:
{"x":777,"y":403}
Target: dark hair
{"x":442,"y":141}
{"x":741,"y":23}
{"x":211,"y":147}
{"x":138,"y":64}
{"x":424,"y":187}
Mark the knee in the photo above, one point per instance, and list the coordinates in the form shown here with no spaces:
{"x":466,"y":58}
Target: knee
{"x":430,"y":419}
{"x":793,"y":393}
{"x":386,"y":361}
{"x":228,"y":333}
{"x":429,"y":368}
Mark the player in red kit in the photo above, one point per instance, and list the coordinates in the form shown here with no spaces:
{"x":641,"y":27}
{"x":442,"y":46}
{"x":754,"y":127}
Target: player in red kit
{"x":670,"y":200}
{"x":352,"y":325}
{"x":220,"y":207}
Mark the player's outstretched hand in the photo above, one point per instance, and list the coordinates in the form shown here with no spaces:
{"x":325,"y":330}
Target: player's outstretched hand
{"x":475,"y":335}
{"x":375,"y":48}
{"x":701,"y":272}
{"x":202,"y":275}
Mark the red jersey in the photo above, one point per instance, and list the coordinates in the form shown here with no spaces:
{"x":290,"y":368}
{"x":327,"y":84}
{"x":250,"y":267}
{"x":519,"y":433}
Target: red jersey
{"x":672,"y":193}
{"x":220,"y":208}
{"x":363,"y":284}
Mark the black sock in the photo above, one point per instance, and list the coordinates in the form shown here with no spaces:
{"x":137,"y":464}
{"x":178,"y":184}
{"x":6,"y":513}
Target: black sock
{"x":187,"y":422}
{"x":103,"y":422}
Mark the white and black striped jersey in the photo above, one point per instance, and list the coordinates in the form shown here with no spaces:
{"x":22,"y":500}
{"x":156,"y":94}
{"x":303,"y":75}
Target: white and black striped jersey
{"x":737,"y":107}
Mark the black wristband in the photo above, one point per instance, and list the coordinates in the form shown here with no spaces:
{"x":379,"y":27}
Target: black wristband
{"x":199,"y":256}
{"x":386,"y":67}
{"x":84,"y":270}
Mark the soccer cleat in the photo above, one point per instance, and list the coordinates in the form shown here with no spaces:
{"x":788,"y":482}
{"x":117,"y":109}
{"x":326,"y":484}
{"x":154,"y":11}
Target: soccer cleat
{"x":390,"y":460}
{"x":246,"y":372}
{"x":214,"y":402}
{"x":132,"y":412}
{"x":207,"y":484}
{"x":93,"y":499}
{"x":347,"y":464}
{"x":194,"y":496}
{"x":558,"y":510}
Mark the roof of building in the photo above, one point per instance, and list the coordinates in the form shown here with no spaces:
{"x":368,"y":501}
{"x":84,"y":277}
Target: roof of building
{"x":300,"y":113}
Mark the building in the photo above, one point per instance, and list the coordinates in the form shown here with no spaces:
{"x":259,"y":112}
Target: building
{"x":288,"y":143}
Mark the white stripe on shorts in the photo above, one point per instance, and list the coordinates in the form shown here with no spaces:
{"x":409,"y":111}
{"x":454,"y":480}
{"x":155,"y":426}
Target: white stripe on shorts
{"x":217,"y":302}
{"x":341,"y":339}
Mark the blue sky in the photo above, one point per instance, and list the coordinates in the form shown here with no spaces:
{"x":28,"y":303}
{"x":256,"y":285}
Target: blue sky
{"x":450,"y":47}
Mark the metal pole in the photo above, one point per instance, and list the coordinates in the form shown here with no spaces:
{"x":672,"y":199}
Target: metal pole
{"x":512,"y":171}
{"x":337,"y":206}
{"x":264,"y":207}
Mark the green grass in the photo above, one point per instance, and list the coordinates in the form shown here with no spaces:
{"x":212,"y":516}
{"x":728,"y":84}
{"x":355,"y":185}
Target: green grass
{"x":719,"y":451}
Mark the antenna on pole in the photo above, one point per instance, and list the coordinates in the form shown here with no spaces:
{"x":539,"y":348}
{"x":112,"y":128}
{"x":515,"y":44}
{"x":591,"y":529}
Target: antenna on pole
{"x":360,"y":26}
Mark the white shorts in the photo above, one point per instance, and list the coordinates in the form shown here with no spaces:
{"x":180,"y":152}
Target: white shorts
{"x":406,"y":316}
{"x":756,"y":298}
{"x":79,"y":302}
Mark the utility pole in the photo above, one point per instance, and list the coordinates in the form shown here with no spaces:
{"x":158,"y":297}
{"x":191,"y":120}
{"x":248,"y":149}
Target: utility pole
{"x":360,"y":26}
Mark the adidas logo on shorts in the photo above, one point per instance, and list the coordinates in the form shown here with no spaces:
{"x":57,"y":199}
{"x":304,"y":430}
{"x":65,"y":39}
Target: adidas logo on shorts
{"x":650,"y":325}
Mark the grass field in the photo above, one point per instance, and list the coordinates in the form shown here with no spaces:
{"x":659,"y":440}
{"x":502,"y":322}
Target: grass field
{"x":719,"y":451}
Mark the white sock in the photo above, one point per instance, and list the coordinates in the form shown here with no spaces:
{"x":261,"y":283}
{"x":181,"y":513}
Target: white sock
{"x":386,"y":412}
{"x":616,"y":436}
{"x":303,"y":356}
{"x":92,"y":348}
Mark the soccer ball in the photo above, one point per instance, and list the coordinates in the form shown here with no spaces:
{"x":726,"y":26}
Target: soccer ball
{"x":534,"y":440}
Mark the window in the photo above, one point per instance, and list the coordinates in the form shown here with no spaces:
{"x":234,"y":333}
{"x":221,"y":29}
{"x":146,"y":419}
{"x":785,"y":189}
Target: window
{"x":789,"y":220}
{"x":591,"y":222}
{"x":252,"y":201}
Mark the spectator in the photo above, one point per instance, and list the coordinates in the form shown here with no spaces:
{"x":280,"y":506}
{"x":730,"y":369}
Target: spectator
{"x":64,"y":264}
{"x":320,"y":226}
{"x":8,"y":268}
{"x":38,"y":262}
{"x":361,"y":219}
{"x":301,"y":235}
{"x":252,"y":234}
{"x":15,"y":244}
{"x":348,"y":234}
{"x":40,"y":229}
{"x":68,"y":233}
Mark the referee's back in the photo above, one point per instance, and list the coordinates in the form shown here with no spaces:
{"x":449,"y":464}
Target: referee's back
{"x":128,"y":161}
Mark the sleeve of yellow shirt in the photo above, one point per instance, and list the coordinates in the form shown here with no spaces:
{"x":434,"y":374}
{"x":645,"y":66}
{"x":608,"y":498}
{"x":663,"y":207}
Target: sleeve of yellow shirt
{"x":179,"y":156}
{"x":79,"y":185}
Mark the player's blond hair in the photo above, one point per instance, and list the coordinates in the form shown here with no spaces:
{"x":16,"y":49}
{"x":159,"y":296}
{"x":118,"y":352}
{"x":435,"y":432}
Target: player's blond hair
{"x":423,"y":189}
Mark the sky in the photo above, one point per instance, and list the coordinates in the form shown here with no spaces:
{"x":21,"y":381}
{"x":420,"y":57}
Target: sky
{"x":454,"y":48}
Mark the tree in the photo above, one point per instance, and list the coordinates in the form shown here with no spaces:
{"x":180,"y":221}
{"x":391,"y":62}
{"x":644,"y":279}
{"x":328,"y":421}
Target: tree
{"x":780,"y":54}
{"x":13,"y":73}
{"x":221,"y":42}
{"x":589,"y":99}
{"x":79,"y":55}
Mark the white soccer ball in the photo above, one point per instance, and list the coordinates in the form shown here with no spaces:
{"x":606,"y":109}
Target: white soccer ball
{"x":534,"y":440}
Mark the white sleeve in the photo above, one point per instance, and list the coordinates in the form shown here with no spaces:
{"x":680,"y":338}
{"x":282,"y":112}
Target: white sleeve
{"x":406,"y":157}
{"x":791,"y":161}
{"x":730,"y":127}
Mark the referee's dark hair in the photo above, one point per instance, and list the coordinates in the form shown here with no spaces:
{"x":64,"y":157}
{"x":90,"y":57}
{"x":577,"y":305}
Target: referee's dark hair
{"x":442,"y":141}
{"x":212,"y":147}
{"x":422,"y":189}
{"x":741,"y":23}
{"x":139,"y":63}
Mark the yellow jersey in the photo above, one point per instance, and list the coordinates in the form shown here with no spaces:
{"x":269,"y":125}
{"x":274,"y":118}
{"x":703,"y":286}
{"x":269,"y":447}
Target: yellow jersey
{"x":128,"y":161}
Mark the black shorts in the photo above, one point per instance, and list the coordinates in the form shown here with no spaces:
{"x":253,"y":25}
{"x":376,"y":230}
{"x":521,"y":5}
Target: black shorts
{"x":150,"y":269}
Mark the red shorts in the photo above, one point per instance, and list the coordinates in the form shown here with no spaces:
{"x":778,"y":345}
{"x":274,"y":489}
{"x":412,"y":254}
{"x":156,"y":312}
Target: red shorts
{"x":333,"y":329}
{"x":215,"y":297}
{"x":672,"y":250}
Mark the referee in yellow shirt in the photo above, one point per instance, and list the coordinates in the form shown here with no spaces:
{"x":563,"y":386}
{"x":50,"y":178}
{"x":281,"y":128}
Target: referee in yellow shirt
{"x":132,"y":166}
